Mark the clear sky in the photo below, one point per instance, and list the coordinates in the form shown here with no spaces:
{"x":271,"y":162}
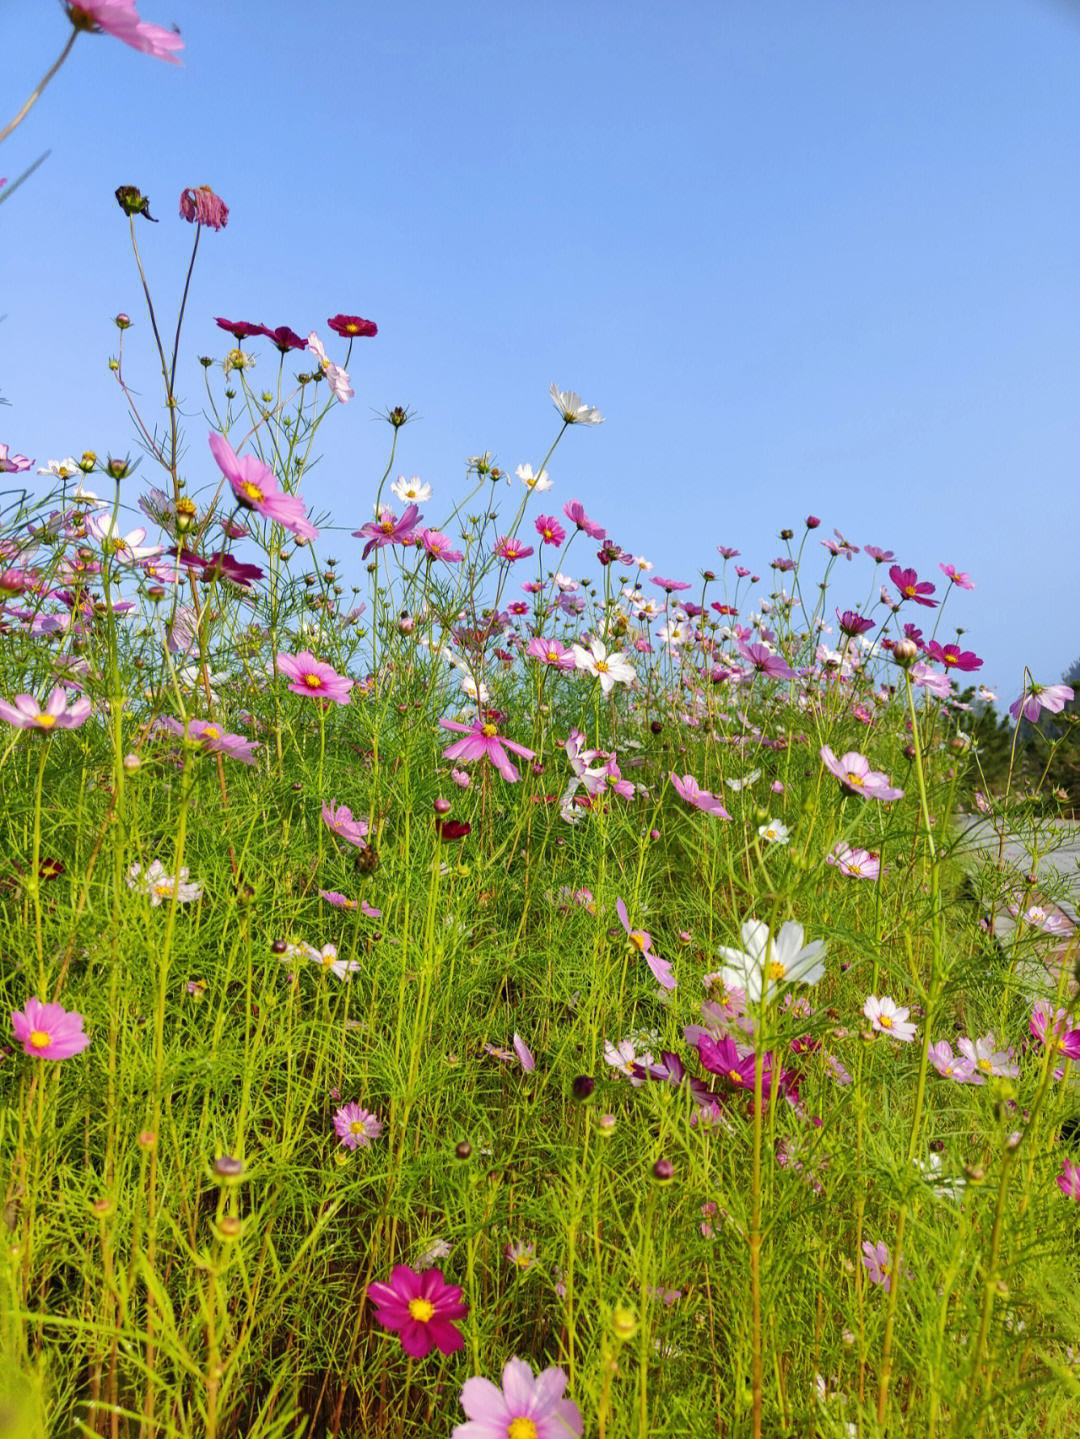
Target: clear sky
{"x":807,"y":256}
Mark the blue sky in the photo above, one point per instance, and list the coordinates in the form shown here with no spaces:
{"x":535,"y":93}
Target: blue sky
{"x":807,"y":258}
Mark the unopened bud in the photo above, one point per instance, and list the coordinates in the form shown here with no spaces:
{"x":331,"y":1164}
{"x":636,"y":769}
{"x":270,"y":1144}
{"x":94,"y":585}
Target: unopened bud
{"x":624,"y":1322}
{"x":905,"y":652}
{"x":463,"y":1149}
{"x":663,"y":1170}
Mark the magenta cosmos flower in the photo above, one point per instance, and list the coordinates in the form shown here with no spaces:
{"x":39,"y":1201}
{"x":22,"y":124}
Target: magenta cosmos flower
{"x":1053,"y":1032}
{"x":641,"y":940}
{"x":549,"y":530}
{"x":688,"y":789}
{"x":1068,"y":1181}
{"x":49,"y":1031}
{"x":508,"y":549}
{"x":953,"y":657}
{"x":313,"y":678}
{"x":574,"y":511}
{"x":853,"y":624}
{"x":338,"y":820}
{"x":422,"y":1307}
{"x":1041,"y":697}
{"x":524,"y":1408}
{"x":352,"y":327}
{"x":120,"y":19}
{"x":212,"y":737}
{"x":356,"y":1127}
{"x":765,"y":662}
{"x":388,"y":530}
{"x":551,"y":652}
{"x":912,"y":588}
{"x":26,"y":713}
{"x":200,"y":206}
{"x":854,"y":773}
{"x":962,"y":580}
{"x":484,"y":741}
{"x":255,"y":488}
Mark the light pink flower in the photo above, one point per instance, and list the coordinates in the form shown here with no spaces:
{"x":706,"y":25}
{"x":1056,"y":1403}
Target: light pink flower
{"x":314,"y":679}
{"x":551,"y":652}
{"x":574,"y":511}
{"x":526,"y":1407}
{"x":855,"y":863}
{"x":484,"y":741}
{"x":887,"y":1017}
{"x":641,"y":940}
{"x":688,"y":789}
{"x":337,"y":899}
{"x":255,"y":488}
{"x":962,"y":581}
{"x":985,"y":1058}
{"x":1068,"y":1181}
{"x":212,"y":737}
{"x":1052,"y":698}
{"x":126,"y":549}
{"x":949,"y":1066}
{"x":49,"y":1031}
{"x":854,"y":773}
{"x":524,"y":1054}
{"x":338,"y":820}
{"x":12,"y":464}
{"x":26,"y":713}
{"x":120,"y":19}
{"x":437,"y":546}
{"x":336,"y":377}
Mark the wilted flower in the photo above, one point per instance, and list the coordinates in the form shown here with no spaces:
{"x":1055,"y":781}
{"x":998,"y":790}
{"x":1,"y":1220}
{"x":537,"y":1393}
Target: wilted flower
{"x":201,"y":206}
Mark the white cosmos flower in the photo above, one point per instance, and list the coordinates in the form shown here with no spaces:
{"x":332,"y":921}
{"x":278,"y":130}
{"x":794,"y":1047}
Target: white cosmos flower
{"x":478,"y":692}
{"x":411,"y":492}
{"x":565,"y":583}
{"x":738,"y":784}
{"x":771,"y":962}
{"x":128,"y":549}
{"x":572,"y":410}
{"x":336,"y":377}
{"x":609,"y":669}
{"x":774,"y":832}
{"x":537,"y":483}
{"x":642,"y":563}
{"x":65,"y":469}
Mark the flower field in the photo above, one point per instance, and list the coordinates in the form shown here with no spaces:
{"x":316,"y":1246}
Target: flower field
{"x":479,"y":986}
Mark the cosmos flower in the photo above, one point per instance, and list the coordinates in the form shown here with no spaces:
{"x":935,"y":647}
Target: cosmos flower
{"x":511,"y":549}
{"x":1034,"y":698}
{"x":1053,"y":1032}
{"x":852,"y":623}
{"x":411,"y":491}
{"x":356,"y":1127}
{"x":688,"y":789}
{"x":912,"y":588}
{"x":986,"y":1059}
{"x":609,"y":669}
{"x":855,"y":863}
{"x":422,"y":1307}
{"x":255,"y":488}
{"x":950,"y":1066}
{"x":484,"y":741}
{"x":213,"y":738}
{"x":351,"y":327}
{"x":538,"y":483}
{"x":774,"y":831}
{"x":926,"y":677}
{"x":572,"y":410}
{"x":336,"y":377}
{"x":125,"y":549}
{"x":641,"y":940}
{"x":766,"y":963}
{"x":878,"y":1264}
{"x":574,"y":511}
{"x":160,"y":886}
{"x":854,"y":773}
{"x":26,"y":713}
{"x":1068,"y":1181}
{"x":953,"y":657}
{"x":388,"y":530}
{"x":549,"y":530}
{"x":765,"y":662}
{"x":284,"y":338}
{"x":49,"y":1031}
{"x":120,"y":19}
{"x":314,"y":679}
{"x":338,"y":820}
{"x":551,"y":652}
{"x":200,"y":206}
{"x":65,"y":469}
{"x":887,"y":1017}
{"x":526,"y":1407}
{"x":437,"y":546}
{"x":962,"y":581}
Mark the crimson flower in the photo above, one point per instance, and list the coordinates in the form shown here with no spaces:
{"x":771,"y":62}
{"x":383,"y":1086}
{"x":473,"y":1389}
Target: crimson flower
{"x":912,"y":588}
{"x":421,"y":1307}
{"x":284,"y":338}
{"x":448,"y":829}
{"x":240,"y":329}
{"x":721,"y":1057}
{"x":350,"y":327}
{"x":953,"y":657}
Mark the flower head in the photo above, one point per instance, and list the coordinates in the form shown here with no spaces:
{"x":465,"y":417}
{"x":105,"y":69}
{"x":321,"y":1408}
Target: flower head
{"x":255,"y":488}
{"x":336,"y":377}
{"x":572,"y":410}
{"x":351,"y":327}
{"x":388,"y":530}
{"x":120,"y":19}
{"x":314,"y":679}
{"x":574,"y":511}
{"x":609,"y":669}
{"x":338,"y":820}
{"x":887,"y":1017}
{"x":766,"y":963}
{"x":1068,"y":1181}
{"x":1052,"y":698}
{"x":201,"y":206}
{"x":484,"y":741}
{"x":641,"y":940}
{"x":526,"y":1407}
{"x":549,"y":530}
{"x":26,"y":713}
{"x":49,"y":1031}
{"x":912,"y":588}
{"x":422,"y":1308}
{"x":356,"y":1127}
{"x":688,"y":789}
{"x":539,"y":482}
{"x":854,"y":773}
{"x":212,"y":737}
{"x":855,"y":863}
{"x":160,"y":886}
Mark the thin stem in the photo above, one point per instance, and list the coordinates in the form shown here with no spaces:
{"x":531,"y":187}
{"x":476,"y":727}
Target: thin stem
{"x":21,"y":116}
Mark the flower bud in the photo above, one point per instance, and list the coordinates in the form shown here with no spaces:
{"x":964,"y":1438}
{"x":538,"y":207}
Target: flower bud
{"x":812,"y":522}
{"x":463,"y":1149}
{"x":226,"y":1167}
{"x":663,"y":1170}
{"x":624,"y":1323}
{"x":582,"y":1087}
{"x":133,"y":202}
{"x":132,"y":762}
{"x":441,"y":806}
{"x":905,"y":652}
{"x":229,"y":1228}
{"x":122,"y":321}
{"x":605,"y":1126}
{"x":147,"y":1140}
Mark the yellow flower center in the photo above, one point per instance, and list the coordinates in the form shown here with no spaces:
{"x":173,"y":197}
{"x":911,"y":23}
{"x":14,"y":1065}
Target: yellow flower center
{"x":553,"y":656}
{"x":521,"y":1428}
{"x":639,"y":939}
{"x":313,"y":682}
{"x":775,"y":970}
{"x":735,"y":1076}
{"x":252,"y":491}
{"x":421,"y":1309}
{"x":45,"y":721}
{"x":211,"y":732}
{"x":602,"y":666}
{"x":885,"y":1020}
{"x":387,"y":527}
{"x":855,"y":779}
{"x":984,"y":1065}
{"x":39,"y":1039}
{"x":164,"y":887}
{"x":489,"y":731}
{"x":356,"y":1127}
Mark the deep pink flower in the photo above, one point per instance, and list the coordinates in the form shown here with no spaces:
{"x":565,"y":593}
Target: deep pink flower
{"x":524,"y":1408}
{"x":200,"y":206}
{"x":240,"y":329}
{"x":213,"y":738}
{"x":338,"y":820}
{"x":255,"y":488}
{"x":284,"y":338}
{"x":337,"y":899}
{"x":26,"y":713}
{"x":120,"y":19}
{"x":356,"y":1127}
{"x":721,"y":1057}
{"x":688,"y":789}
{"x":437,"y":546}
{"x":350,"y":327}
{"x":388,"y":530}
{"x":854,"y":773}
{"x":765,"y":662}
{"x":1052,"y":1031}
{"x":1068,"y":1181}
{"x":551,"y":652}
{"x":669,"y":587}
{"x":1053,"y":698}
{"x":953,"y":657}
{"x":508,"y":549}
{"x":853,"y":624}
{"x":49,"y":1031}
{"x":911,"y":588}
{"x":574,"y":511}
{"x":314,"y":679}
{"x":422,"y":1307}
{"x":962,"y":581}
{"x":549,"y":530}
{"x":484,"y":741}
{"x":641,"y":940}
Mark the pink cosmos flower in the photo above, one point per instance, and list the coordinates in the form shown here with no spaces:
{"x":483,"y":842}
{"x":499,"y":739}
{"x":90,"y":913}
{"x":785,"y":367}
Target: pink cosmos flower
{"x":962,"y":581}
{"x":551,"y":652}
{"x":949,"y":1066}
{"x":1052,"y":1031}
{"x":508,"y":549}
{"x":422,"y":1307}
{"x":985,"y":1058}
{"x":213,"y":738}
{"x":1035,"y":697}
{"x":120,"y":19}
{"x":484,"y":741}
{"x":314,"y":679}
{"x":337,"y":899}
{"x":49,"y":1031}
{"x":887,"y":1017}
{"x":765,"y":662}
{"x":349,"y":327}
{"x":878,"y":1263}
{"x":854,"y":773}
{"x":338,"y":820}
{"x":911,"y":588}
{"x":721,"y":1056}
{"x":438,"y":547}
{"x":927,"y":678}
{"x":26,"y":713}
{"x":574,"y":511}
{"x":855,"y":863}
{"x":524,"y":1054}
{"x":356,"y":1127}
{"x":853,"y":624}
{"x":461,"y":778}
{"x":336,"y":377}
{"x":549,"y":530}
{"x":255,"y":488}
{"x":953,"y":657}
{"x":1068,"y":1181}
{"x":524,"y":1408}
{"x":201,"y":206}
{"x":641,"y":940}
{"x":688,"y":789}
{"x":12,"y":464}
{"x":388,"y":530}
